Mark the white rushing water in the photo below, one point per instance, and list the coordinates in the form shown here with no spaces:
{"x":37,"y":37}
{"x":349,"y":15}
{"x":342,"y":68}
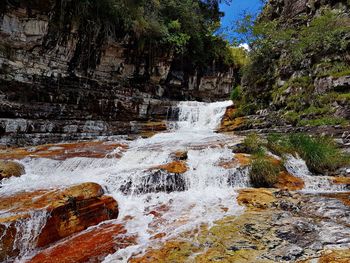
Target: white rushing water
{"x":317,"y":184}
{"x":202,"y":195}
{"x":206,"y":188}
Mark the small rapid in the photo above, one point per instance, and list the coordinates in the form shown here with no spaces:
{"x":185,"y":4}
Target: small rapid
{"x":201,"y":195}
{"x":313,"y":183}
{"x":154,"y":203}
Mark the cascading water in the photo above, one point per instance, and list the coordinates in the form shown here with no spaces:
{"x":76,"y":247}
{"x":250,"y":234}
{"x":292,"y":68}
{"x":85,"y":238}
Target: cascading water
{"x":206,"y":188}
{"x":201,"y":195}
{"x":297,"y":167}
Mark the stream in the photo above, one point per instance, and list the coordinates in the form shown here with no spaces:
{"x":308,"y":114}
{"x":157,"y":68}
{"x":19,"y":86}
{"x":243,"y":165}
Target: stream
{"x":204,"y":193}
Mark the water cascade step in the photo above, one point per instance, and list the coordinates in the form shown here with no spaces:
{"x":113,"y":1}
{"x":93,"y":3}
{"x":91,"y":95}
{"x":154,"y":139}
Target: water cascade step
{"x":165,"y":185}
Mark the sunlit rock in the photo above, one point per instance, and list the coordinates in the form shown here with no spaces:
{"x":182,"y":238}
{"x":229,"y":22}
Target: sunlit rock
{"x":9,"y":169}
{"x":91,"y":245}
{"x":36,"y":219}
{"x":257,"y":198}
{"x":289,"y":182}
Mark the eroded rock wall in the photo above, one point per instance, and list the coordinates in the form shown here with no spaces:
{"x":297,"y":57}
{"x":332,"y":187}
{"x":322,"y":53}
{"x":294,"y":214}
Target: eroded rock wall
{"x":59,"y":83}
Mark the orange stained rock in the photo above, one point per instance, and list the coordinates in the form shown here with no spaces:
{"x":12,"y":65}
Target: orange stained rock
{"x":341,"y":180}
{"x":243,"y":159}
{"x":336,"y":256}
{"x":9,"y":169}
{"x":180,"y":155}
{"x":158,"y":236}
{"x":289,"y":182}
{"x":342,"y":196}
{"x":71,"y":210}
{"x":49,"y":199}
{"x":90,"y":246}
{"x":91,"y":149}
{"x":228,"y":122}
{"x":256,"y":198}
{"x":178,"y":167}
{"x":172,"y":251}
{"x":231,"y":125}
{"x":239,"y":159}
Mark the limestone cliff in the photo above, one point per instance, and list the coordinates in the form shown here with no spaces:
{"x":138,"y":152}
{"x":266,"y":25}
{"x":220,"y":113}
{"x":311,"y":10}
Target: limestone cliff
{"x":298,"y":78}
{"x":66,"y":82}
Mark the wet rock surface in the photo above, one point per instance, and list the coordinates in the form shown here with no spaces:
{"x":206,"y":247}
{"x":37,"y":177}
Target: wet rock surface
{"x":164,"y":178}
{"x":54,"y":214}
{"x":54,"y":90}
{"x":89,"y":246}
{"x":63,"y":151}
{"x":277,"y":226}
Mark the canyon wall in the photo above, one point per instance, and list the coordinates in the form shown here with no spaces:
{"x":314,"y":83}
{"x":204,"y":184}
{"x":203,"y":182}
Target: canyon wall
{"x":299,"y":75}
{"x":59,"y":83}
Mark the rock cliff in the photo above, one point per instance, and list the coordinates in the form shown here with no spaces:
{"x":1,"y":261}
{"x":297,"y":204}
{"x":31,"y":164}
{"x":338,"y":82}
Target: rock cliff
{"x":300,"y":68}
{"x":61,"y":83}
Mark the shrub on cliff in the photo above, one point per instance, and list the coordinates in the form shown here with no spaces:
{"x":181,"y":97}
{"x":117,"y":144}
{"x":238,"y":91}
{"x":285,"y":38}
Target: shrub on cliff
{"x":180,"y":26}
{"x":280,"y":47}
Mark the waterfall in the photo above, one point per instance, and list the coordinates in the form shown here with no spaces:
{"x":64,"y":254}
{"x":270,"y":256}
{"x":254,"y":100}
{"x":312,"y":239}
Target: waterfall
{"x":201,"y":195}
{"x":313,"y":183}
{"x":201,"y":116}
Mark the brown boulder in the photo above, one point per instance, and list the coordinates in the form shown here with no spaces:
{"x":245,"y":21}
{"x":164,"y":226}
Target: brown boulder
{"x":67,"y":211}
{"x":341,"y":180}
{"x":9,"y":169}
{"x":256,"y":198}
{"x":177,"y":167}
{"x":89,"y":246}
{"x":336,"y":256}
{"x":289,"y":182}
{"x":239,"y":159}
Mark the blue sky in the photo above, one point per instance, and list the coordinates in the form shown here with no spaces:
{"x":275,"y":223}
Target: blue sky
{"x":235,"y":10}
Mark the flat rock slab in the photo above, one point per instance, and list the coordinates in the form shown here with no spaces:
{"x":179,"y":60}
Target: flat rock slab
{"x":50,"y":215}
{"x":91,"y":245}
{"x":277,"y":226}
{"x":63,"y":151}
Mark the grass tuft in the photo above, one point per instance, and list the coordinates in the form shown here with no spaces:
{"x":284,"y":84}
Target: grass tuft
{"x":263,"y":172}
{"x":321,"y":154}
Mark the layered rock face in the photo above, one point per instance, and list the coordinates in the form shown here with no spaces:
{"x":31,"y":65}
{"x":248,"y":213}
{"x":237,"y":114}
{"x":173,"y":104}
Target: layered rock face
{"x":302,"y":80}
{"x":39,"y":218}
{"x":62,"y":84}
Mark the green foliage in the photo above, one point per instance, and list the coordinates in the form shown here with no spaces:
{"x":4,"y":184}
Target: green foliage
{"x":321,"y":154}
{"x":263,"y":172}
{"x":185,"y":27}
{"x":236,"y":56}
{"x":278,"y":144}
{"x":236,"y":93}
{"x":324,"y":121}
{"x":284,"y":45}
{"x":334,"y":69}
{"x":253,"y":144}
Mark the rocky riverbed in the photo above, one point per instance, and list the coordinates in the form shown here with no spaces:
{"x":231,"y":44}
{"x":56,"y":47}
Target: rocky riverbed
{"x":180,"y":196}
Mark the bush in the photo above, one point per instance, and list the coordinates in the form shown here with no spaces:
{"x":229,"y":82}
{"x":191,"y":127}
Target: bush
{"x":321,"y":154}
{"x":236,"y":93}
{"x":278,"y":144}
{"x":263,"y":173}
{"x":253,"y":143}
